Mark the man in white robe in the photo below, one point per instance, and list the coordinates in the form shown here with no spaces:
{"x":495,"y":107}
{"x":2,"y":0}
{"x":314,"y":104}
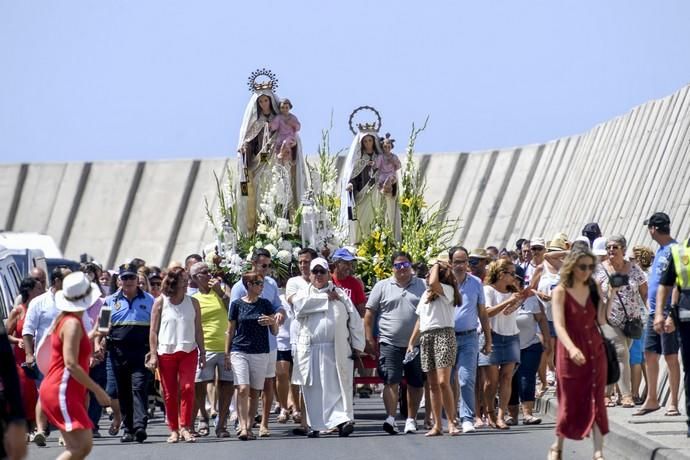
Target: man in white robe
{"x":330,"y":334}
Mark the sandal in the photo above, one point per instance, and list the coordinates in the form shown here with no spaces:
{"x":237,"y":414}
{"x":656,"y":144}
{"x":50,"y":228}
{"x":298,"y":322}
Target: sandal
{"x":250,"y":435}
{"x":627,"y":402}
{"x":672,"y":412}
{"x":297,"y":417}
{"x":610,"y":402}
{"x":510,"y":421}
{"x":186,"y":435}
{"x":203,"y":429}
{"x":243,"y":436}
{"x":283,"y":416}
{"x":264,"y":432}
{"x":531,"y":420}
{"x":173,"y":438}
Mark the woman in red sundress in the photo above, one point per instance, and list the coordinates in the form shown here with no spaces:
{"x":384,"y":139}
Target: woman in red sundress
{"x":580,"y":359}
{"x":63,"y":391}
{"x":28,"y":290}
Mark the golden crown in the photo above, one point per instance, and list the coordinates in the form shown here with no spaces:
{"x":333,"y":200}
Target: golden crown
{"x":254,"y":85}
{"x":372,"y":127}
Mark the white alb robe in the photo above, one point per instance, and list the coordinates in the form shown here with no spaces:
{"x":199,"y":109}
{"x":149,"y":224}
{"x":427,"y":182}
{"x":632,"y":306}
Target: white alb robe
{"x":328,"y":331}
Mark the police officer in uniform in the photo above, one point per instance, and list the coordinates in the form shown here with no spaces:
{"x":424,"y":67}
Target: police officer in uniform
{"x":678,"y":274}
{"x":128,"y":343}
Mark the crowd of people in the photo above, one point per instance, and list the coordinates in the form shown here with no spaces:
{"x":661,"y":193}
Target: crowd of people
{"x":476,"y":334}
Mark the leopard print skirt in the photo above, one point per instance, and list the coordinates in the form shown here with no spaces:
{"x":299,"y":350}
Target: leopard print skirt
{"x":437,"y":348}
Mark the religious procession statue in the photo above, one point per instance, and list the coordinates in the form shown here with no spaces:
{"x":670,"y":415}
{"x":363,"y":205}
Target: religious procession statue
{"x":270,"y":159}
{"x":369,"y":180}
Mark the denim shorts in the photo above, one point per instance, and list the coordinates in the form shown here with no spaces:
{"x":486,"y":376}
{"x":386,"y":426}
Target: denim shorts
{"x":505,"y":349}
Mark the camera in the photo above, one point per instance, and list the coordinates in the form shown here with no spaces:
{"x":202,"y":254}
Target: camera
{"x":619,"y":280}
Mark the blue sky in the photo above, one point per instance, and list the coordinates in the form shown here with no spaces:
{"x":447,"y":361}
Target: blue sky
{"x":142,"y":80}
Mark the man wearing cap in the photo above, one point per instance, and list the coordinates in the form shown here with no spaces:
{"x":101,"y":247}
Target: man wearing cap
{"x":537,"y":248}
{"x":342,"y":278}
{"x":261,"y":264}
{"x":128,"y":343}
{"x":38,"y":318}
{"x":330,"y":332}
{"x":155,"y":282}
{"x":393,"y":303}
{"x":478,"y":260}
{"x":678,"y":274}
{"x":661,"y":338}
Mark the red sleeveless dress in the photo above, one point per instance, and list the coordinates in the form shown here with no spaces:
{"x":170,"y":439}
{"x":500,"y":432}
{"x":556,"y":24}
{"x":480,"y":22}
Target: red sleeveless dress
{"x":27,"y":385}
{"x":581,"y":389}
{"x":63,"y":399}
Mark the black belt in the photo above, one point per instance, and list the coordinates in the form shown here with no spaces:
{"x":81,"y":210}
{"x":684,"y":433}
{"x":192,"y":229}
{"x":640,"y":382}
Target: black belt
{"x":467,"y":332}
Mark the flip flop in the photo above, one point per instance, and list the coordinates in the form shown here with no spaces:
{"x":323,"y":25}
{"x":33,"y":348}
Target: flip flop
{"x":643,"y":411}
{"x":672,"y":413}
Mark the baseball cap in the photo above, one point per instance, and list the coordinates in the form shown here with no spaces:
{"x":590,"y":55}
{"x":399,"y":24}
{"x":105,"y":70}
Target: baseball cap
{"x":127,"y":269}
{"x":155,"y":275}
{"x":319,"y":262}
{"x":343,"y":254}
{"x":658,"y":219}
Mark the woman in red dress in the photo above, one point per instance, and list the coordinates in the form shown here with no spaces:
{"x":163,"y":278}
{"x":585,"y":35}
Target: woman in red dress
{"x":63,"y":391}
{"x":580,"y":358}
{"x":28,"y":289}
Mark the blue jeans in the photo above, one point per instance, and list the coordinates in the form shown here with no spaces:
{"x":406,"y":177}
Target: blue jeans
{"x":466,"y":368}
{"x":99,"y":375}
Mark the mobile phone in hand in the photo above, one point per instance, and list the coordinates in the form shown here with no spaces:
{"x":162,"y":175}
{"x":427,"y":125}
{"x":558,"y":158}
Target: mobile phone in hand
{"x":104,"y":319}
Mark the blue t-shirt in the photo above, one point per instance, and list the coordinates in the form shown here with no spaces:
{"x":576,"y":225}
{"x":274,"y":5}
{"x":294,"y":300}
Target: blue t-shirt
{"x":466,"y":315}
{"x":270,"y":293}
{"x":250,"y":336}
{"x":661,"y":260}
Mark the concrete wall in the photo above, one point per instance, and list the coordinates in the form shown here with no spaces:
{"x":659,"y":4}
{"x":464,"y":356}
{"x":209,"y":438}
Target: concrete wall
{"x":618,"y":173}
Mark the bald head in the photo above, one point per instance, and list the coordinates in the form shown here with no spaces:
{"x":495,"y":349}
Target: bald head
{"x":40,"y":276}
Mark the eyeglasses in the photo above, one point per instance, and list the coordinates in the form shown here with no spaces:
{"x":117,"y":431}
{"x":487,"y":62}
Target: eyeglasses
{"x":612,"y":247}
{"x":460,"y":262}
{"x":258,"y":283}
{"x":128,"y":277}
{"x":319,"y":271}
{"x":401,"y":265}
{"x":586,"y":267}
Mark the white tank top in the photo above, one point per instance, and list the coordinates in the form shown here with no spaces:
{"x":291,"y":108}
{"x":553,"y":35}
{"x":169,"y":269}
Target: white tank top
{"x":176,"y":332}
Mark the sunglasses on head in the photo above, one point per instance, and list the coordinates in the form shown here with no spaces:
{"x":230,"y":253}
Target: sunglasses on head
{"x":401,"y":265}
{"x":586,"y":267}
{"x":319,"y":271}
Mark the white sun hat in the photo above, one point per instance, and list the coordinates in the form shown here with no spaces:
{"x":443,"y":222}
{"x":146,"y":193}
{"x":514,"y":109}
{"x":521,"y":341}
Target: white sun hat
{"x":77,"y":294}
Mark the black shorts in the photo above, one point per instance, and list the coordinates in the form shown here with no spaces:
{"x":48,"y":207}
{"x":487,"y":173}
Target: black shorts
{"x":661,"y":344}
{"x":391,"y":368}
{"x":284,"y":355}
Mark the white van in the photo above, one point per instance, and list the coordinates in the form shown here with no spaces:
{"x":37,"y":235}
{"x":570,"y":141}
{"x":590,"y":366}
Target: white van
{"x":10,"y":279}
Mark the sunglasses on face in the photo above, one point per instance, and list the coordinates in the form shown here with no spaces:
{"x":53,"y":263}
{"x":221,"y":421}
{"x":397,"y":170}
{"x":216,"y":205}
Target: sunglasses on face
{"x":401,"y":265}
{"x":156,"y":283}
{"x":612,"y":247}
{"x":537,"y":248}
{"x":128,"y":277}
{"x":460,"y":262}
{"x":474,"y":262}
{"x":586,"y":267}
{"x":319,"y":271}
{"x":258,"y":283}
{"x":265,"y":265}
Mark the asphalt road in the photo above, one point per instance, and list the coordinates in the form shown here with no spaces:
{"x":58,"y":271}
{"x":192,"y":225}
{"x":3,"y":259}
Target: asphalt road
{"x":367,"y":442}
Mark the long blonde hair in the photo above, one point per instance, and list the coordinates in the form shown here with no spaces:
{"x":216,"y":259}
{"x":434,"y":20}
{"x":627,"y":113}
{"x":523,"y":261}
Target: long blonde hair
{"x":567,"y":277}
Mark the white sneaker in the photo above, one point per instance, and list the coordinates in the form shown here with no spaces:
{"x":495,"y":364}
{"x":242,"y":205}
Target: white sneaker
{"x":389,"y":426}
{"x":468,"y":427}
{"x":410,"y":426}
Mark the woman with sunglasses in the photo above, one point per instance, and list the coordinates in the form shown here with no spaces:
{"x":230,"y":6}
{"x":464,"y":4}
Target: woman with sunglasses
{"x":502,"y":302}
{"x":246,"y":348}
{"x":627,"y":303}
{"x":581,"y":363}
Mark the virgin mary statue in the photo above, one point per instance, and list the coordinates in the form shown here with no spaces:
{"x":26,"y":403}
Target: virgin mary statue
{"x":258,"y":171}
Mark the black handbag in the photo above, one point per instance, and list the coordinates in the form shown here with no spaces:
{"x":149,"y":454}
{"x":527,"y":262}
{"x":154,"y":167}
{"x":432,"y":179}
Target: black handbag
{"x":613,"y":370}
{"x":632,"y":327}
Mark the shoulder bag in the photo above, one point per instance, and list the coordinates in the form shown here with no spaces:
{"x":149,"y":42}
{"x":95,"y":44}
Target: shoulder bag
{"x":632,"y":327}
{"x":613,"y":370}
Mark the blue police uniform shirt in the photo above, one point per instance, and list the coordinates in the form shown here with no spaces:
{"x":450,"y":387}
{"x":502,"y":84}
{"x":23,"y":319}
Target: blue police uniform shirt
{"x":130,"y":321}
{"x":466,"y":315}
{"x":661,"y":261}
{"x":270,"y":293}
